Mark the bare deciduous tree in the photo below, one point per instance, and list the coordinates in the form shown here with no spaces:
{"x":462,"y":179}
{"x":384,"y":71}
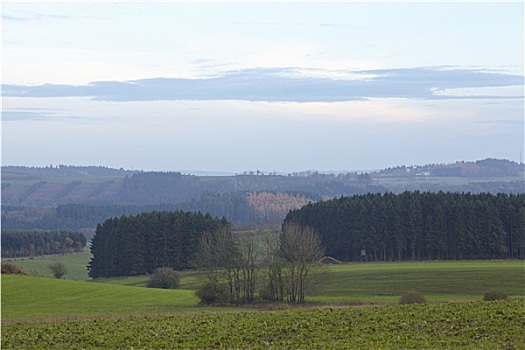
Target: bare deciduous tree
{"x":229,"y":260}
{"x":249,"y":265}
{"x":301,"y":248}
{"x":274,"y":287}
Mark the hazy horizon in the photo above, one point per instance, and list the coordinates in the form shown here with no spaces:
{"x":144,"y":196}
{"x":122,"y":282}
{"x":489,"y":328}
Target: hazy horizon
{"x":211,"y":172}
{"x":285,"y":87}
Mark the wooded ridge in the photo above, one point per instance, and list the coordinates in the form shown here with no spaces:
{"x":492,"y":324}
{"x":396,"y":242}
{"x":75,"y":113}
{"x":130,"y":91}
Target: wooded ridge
{"x":81,"y":197}
{"x":418,"y":226}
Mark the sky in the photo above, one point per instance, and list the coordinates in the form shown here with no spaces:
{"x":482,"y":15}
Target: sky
{"x":284,"y":87}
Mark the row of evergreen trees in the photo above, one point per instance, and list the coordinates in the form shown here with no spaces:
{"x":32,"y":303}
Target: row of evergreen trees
{"x":137,"y":245}
{"x":20,"y":243}
{"x":418,"y":226}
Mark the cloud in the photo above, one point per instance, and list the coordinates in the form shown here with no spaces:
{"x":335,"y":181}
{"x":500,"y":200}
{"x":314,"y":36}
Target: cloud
{"x":329,"y":25}
{"x":286,"y":85}
{"x":507,"y":121}
{"x":273,"y":23}
{"x":15,"y":18}
{"x":24,"y":115}
{"x":47,"y":114}
{"x":35,"y":17}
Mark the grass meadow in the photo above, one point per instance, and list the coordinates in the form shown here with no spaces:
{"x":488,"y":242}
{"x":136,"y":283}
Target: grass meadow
{"x":437,"y":281}
{"x":76,"y":265}
{"x":354,"y":282}
{"x":48,"y":313}
{"x":31,"y":298}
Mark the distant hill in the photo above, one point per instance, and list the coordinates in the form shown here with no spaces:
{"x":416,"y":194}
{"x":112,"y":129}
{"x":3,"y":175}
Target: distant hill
{"x":66,"y":170}
{"x":82,"y":196}
{"x":489,"y":167}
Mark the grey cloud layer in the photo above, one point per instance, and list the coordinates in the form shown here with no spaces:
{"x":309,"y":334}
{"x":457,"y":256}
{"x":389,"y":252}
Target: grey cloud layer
{"x":282,"y":85}
{"x":24,"y":115}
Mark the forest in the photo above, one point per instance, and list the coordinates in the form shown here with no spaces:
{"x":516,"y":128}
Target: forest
{"x":246,"y":210}
{"x":418,"y":226}
{"x":21,"y":243}
{"x":80,"y":197}
{"x":372,"y":227}
{"x":137,"y":245}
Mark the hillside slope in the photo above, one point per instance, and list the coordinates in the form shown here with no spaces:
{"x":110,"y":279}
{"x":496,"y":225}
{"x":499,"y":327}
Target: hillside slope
{"x":62,"y":298}
{"x":81,"y":197}
{"x":98,"y":185}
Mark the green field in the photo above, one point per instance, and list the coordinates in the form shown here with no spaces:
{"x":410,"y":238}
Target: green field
{"x":188,"y":280}
{"x":47,"y":313}
{"x":27,"y":297}
{"x":475,"y":325}
{"x":438,"y":281}
{"x":363,"y":283}
{"x":356,"y":282}
{"x":76,"y":265}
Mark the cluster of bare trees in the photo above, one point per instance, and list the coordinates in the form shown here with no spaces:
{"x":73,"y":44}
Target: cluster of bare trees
{"x":275,"y":267}
{"x":301,"y":249}
{"x":228,"y":262}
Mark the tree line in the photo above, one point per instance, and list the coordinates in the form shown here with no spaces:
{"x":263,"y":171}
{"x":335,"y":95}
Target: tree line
{"x":74,"y":216}
{"x":137,"y":245}
{"x":20,"y":243}
{"x":246,"y":210}
{"x":65,"y":170}
{"x":240,"y":268}
{"x":418,"y":226}
{"x":488,"y":167}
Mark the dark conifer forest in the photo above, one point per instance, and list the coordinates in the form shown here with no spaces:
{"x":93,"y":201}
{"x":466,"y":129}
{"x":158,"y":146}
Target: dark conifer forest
{"x":137,"y":245}
{"x":22,"y":243}
{"x":418,"y":226}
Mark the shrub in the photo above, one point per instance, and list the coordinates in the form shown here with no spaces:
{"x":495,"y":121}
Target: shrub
{"x":58,"y":269}
{"x":164,"y":277}
{"x":412,"y":297}
{"x":212,"y":294}
{"x":34,"y":273}
{"x":494,"y":295}
{"x":10,"y":268}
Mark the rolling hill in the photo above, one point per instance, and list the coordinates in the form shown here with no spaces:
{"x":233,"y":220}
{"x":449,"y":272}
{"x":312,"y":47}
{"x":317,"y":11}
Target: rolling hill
{"x":81,"y":197}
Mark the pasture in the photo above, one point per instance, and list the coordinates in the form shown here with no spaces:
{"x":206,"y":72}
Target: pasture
{"x":355,"y":283}
{"x":436,"y":280}
{"x":372,"y":283}
{"x":76,"y":265}
{"x":47,"y":313}
{"x":31,"y":298}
